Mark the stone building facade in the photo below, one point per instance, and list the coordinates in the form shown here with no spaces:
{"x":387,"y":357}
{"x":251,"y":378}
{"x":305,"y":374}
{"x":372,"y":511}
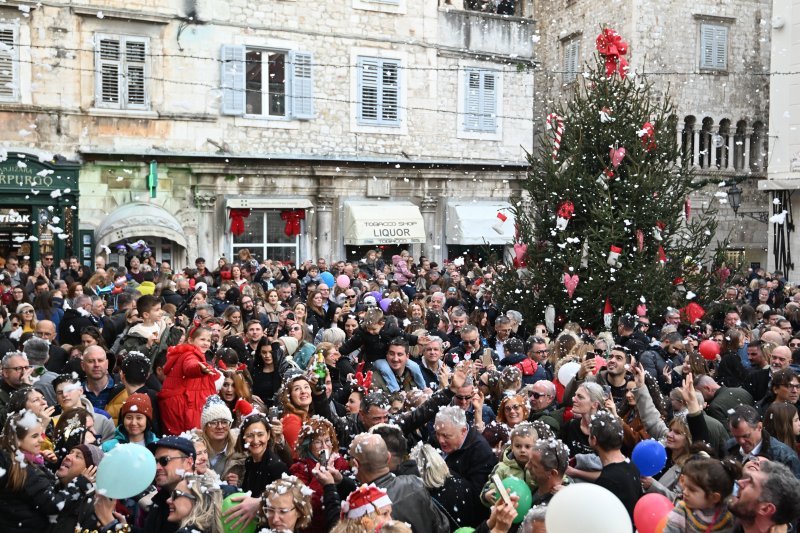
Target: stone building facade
{"x":711,"y":58}
{"x":322,"y":130}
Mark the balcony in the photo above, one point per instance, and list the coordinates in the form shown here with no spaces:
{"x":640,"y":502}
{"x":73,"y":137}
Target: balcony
{"x":486,"y":33}
{"x":722,"y":149}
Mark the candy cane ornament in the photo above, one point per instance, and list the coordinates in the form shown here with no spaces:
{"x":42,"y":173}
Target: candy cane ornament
{"x":558,"y":130}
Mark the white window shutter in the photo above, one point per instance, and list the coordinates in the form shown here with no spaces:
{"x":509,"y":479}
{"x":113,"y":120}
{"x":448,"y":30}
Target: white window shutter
{"x":135,"y":73}
{"x":472,"y":100}
{"x":368,"y":87}
{"x":721,"y":52}
{"x":489,"y":102}
{"x":707,"y":46}
{"x":390,"y":92}
{"x":108,"y":56}
{"x":233,"y":79}
{"x":302,"y":85}
{"x":570,"y":60}
{"x":9,"y":82}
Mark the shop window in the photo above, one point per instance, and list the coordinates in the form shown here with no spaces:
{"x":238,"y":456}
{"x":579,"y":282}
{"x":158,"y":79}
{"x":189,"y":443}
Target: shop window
{"x":713,"y":46}
{"x":265,"y":236}
{"x":267,"y":83}
{"x":480,"y":100}
{"x":121,"y":70}
{"x":9,"y":64}
{"x":570,"y":50}
{"x":378,"y":91}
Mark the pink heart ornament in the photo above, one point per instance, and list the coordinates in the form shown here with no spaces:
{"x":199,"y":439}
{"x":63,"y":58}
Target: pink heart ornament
{"x":616,"y":155}
{"x":571,"y":283}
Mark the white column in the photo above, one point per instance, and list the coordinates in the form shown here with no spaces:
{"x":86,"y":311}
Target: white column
{"x":428,"y":210}
{"x":696,"y":146}
{"x":731,"y":151}
{"x":748,"y":135}
{"x":206,"y":202}
{"x":324,"y":216}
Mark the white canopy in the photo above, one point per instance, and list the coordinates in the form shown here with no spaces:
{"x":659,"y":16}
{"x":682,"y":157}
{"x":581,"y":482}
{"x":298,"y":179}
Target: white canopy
{"x":138,"y":219}
{"x":473,"y":222}
{"x":375,"y":222}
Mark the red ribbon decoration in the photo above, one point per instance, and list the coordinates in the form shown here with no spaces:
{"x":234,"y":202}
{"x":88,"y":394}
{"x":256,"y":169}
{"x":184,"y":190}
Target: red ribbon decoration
{"x":611,"y":46}
{"x":649,"y":137}
{"x":566,"y":209}
{"x":237,"y":217}
{"x":292,"y":217}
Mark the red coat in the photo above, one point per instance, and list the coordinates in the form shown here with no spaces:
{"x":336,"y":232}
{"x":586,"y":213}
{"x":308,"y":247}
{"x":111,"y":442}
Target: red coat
{"x":302,"y":469}
{"x":185,"y":389}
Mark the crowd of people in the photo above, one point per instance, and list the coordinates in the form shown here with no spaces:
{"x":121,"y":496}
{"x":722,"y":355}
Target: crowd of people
{"x":380,"y":395}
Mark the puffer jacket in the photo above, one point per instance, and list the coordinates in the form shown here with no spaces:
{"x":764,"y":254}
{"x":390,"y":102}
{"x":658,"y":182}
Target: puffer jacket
{"x":29,"y":509}
{"x":508,"y":467}
{"x":121,"y":437}
{"x":185,"y":389}
{"x":412,"y":504}
{"x":402,"y":275}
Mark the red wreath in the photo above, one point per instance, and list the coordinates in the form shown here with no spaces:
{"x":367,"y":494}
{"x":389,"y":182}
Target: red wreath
{"x":613,"y":49}
{"x":292,"y":217}
{"x":237,"y":217}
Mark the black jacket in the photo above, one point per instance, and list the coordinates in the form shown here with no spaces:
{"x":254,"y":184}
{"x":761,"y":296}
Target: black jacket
{"x":69,"y":329}
{"x":412,"y":504}
{"x":6,"y":345}
{"x":473,"y":462}
{"x":29,"y":509}
{"x":258,"y":475}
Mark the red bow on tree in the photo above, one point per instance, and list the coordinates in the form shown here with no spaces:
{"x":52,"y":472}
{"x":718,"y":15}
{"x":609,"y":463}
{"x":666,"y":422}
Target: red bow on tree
{"x":648,"y":135}
{"x":611,"y":46}
{"x":292,"y":217}
{"x":237,"y":217}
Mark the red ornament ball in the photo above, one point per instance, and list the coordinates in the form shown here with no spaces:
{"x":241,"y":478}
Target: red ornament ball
{"x":709,"y":350}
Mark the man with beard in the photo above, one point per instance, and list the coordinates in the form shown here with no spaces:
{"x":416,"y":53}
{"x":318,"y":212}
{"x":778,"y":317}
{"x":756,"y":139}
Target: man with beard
{"x":767,"y":497}
{"x":614,"y":375}
{"x":249,"y":311}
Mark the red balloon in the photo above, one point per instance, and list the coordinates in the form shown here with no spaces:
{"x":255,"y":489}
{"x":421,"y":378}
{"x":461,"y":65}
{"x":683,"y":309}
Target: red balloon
{"x":709,"y":350}
{"x":650,"y":511}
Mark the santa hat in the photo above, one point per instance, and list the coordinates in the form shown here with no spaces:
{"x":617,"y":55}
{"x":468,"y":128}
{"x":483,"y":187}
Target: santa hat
{"x":365,"y":499}
{"x":243,"y":407}
{"x":215,"y":409}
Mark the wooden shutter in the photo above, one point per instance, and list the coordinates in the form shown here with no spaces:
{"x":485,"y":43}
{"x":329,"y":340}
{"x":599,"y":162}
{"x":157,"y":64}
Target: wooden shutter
{"x":9,"y":89}
{"x":390,"y":92}
{"x":109,"y":71}
{"x":489,"y":101}
{"x":368,"y":87}
{"x":570,"y":60}
{"x":302,"y":86}
{"x":713,"y":46}
{"x":472,"y":103}
{"x":233,"y":79}
{"x":135,"y":71}
{"x":721,"y":50}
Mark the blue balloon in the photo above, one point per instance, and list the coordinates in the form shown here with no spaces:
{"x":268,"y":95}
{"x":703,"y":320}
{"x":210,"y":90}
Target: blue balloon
{"x":327,"y":277}
{"x":385,"y":303}
{"x":125,"y":471}
{"x":375,"y":294}
{"x":649,"y":456}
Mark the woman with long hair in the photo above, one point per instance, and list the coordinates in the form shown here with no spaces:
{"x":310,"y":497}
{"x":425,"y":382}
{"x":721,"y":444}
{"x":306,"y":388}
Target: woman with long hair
{"x":74,"y":290}
{"x":262,"y":465}
{"x":46,"y":310}
{"x":29,"y":495}
{"x":28,"y":315}
{"x":272,"y":305}
{"x":28,"y":398}
{"x":238,"y":276}
{"x":731,"y":371}
{"x":188,"y":381}
{"x":195,"y":504}
{"x":265,"y":371}
{"x":317,"y":318}
{"x":18,"y":297}
{"x":235,"y":388}
{"x":317,"y":445}
{"x":296,"y":399}
{"x":234,"y":325}
{"x":781,"y":421}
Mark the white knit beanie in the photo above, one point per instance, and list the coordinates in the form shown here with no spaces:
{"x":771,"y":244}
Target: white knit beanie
{"x":215,"y":409}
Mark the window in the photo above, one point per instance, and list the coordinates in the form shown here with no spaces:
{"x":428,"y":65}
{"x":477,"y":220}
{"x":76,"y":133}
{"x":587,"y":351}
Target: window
{"x":121,"y":66}
{"x":714,"y":46}
{"x":267,"y":83}
{"x":570,"y":64}
{"x":480,"y":105}
{"x":265,"y":237}
{"x":378,"y":91}
{"x":9,"y":62}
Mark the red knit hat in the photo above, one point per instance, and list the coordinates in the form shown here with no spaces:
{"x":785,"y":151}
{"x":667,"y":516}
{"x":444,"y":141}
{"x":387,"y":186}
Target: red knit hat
{"x":137,"y":403}
{"x":365,"y":499}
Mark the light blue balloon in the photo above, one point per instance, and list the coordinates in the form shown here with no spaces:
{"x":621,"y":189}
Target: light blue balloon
{"x":327,"y":277}
{"x":125,"y":471}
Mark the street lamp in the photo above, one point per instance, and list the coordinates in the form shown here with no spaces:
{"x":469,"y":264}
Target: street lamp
{"x":735,"y":197}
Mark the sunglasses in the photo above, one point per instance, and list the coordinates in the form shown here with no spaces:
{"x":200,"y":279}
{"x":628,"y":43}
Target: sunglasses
{"x":175,"y":494}
{"x":463,"y":398}
{"x":165,"y":459}
{"x":537,"y":395}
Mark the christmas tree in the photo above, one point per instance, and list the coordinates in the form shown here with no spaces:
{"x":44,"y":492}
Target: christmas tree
{"x":609,"y":226}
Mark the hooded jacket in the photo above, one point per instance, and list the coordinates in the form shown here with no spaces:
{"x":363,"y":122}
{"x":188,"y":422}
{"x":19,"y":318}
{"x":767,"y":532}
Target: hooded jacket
{"x":507,"y":467}
{"x":185,"y":389}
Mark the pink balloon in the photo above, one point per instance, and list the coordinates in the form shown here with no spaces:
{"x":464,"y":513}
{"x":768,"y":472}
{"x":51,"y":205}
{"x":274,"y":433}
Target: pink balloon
{"x":650,"y":510}
{"x":343,"y":281}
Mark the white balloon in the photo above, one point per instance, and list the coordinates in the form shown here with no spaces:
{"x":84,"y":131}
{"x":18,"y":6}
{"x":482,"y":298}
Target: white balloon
{"x":586,"y":508}
{"x":567,"y":372}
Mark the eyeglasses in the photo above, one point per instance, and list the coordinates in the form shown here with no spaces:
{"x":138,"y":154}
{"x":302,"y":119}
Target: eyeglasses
{"x":175,"y":494}
{"x":295,"y":328}
{"x":165,"y":459}
{"x":793,"y":386}
{"x":17,"y":368}
{"x":474,"y":342}
{"x":220,"y":423}
{"x":278,"y":510}
{"x":350,"y":295}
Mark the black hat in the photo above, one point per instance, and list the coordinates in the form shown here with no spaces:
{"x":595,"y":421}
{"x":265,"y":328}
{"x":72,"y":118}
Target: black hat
{"x":176,"y":443}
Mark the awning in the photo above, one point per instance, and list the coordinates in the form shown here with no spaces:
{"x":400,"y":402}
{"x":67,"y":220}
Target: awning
{"x":138,"y":220}
{"x":368,"y":223}
{"x":474,"y":222}
{"x":268,"y":203}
